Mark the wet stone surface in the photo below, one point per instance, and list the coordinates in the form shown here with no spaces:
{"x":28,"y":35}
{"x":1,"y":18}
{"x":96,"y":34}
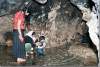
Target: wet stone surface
{"x":53,"y":56}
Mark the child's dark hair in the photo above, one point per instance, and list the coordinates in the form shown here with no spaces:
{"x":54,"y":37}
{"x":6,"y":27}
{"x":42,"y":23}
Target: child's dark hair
{"x":41,"y":38}
{"x":33,"y":33}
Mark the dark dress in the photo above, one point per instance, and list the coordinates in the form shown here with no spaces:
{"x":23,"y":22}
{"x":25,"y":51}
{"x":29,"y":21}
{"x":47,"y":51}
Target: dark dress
{"x":18,"y":46}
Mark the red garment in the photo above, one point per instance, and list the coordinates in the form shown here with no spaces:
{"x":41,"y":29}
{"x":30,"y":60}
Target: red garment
{"x":19,"y":16}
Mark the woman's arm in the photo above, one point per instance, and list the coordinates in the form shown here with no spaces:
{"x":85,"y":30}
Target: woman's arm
{"x":19,"y":31}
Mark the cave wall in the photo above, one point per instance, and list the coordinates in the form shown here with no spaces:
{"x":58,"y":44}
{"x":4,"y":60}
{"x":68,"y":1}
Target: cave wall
{"x":64,"y":20}
{"x":59,"y":19}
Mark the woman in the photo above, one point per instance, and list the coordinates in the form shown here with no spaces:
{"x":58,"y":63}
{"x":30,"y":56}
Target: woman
{"x":18,"y":37}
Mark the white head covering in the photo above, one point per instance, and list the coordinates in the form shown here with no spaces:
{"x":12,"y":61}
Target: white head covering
{"x":29,"y":34}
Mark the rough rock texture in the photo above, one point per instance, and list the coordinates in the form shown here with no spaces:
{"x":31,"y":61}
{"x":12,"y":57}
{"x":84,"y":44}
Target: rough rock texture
{"x":88,"y":57}
{"x":5,"y":25}
{"x":60,"y":20}
{"x":9,"y":6}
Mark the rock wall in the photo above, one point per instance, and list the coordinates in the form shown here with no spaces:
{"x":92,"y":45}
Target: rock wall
{"x":60,"y":22}
{"x":64,"y":20}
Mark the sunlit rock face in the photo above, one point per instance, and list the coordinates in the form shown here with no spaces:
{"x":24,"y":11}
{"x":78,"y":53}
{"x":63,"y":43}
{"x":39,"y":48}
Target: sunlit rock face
{"x":91,"y":14}
{"x":59,"y":19}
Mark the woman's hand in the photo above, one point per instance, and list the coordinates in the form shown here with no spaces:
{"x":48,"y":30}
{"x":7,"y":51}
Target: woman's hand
{"x":21,"y":38}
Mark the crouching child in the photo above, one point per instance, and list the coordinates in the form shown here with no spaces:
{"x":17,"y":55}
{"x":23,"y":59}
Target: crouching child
{"x":40,"y":47}
{"x":30,"y":39}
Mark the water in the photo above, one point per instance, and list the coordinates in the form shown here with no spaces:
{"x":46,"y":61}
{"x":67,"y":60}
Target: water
{"x":60,"y":56}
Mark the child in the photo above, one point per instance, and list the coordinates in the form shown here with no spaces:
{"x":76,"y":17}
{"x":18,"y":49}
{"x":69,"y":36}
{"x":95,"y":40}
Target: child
{"x":30,"y":43}
{"x":40,"y":46}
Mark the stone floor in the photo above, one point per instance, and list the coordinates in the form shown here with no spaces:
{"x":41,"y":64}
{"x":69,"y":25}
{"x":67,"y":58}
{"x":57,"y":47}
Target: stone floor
{"x":53,"y":57}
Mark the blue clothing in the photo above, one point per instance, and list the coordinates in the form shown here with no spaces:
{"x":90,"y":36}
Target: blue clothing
{"x":18,"y":46}
{"x":40,"y":52}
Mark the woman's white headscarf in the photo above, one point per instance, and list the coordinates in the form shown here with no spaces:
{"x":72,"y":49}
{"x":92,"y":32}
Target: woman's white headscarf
{"x":29,"y":34}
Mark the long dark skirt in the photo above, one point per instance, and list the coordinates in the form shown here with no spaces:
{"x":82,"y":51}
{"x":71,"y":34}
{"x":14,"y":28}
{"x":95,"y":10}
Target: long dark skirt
{"x":18,"y":46}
